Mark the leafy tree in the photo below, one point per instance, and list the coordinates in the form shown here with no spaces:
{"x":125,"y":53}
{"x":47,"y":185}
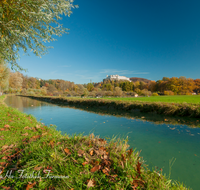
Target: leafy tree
{"x":90,"y":87}
{"x":197,"y":85}
{"x":118,"y":91}
{"x":51,"y":88}
{"x":28,"y":23}
{"x":15,"y":80}
{"x":127,"y":86}
{"x":4,"y":75}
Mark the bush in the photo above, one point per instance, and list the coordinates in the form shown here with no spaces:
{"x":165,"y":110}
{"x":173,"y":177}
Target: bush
{"x":168,"y":92}
{"x":145,"y":92}
{"x":118,"y":91}
{"x":155,"y":94}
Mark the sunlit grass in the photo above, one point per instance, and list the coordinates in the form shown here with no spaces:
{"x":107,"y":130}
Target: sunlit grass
{"x":194,"y":99}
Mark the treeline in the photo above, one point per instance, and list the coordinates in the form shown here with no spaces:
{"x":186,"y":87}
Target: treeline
{"x":20,"y":84}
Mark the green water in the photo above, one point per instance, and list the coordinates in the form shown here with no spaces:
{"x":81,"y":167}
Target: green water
{"x":159,"y":143}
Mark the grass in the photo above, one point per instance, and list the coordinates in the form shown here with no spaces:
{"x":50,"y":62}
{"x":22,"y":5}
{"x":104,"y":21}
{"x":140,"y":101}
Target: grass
{"x":192,"y":99}
{"x":33,"y":155}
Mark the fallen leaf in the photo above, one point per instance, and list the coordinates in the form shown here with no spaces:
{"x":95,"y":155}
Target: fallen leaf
{"x":67,"y":151}
{"x":7,"y":188}
{"x":7,"y":126}
{"x":84,"y":163}
{"x":80,"y":152}
{"x":2,"y":163}
{"x":91,"y":152}
{"x":30,"y":185}
{"x":105,"y":172}
{"x":5,"y":147}
{"x":91,"y":183}
{"x":38,"y":168}
{"x":25,"y":134}
{"x":38,"y":126}
{"x":51,"y":144}
{"x":95,"y":168}
{"x":4,"y":158}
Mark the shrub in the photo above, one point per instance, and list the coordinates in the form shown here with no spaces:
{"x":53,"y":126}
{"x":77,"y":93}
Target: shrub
{"x":155,"y":94}
{"x":168,"y":92}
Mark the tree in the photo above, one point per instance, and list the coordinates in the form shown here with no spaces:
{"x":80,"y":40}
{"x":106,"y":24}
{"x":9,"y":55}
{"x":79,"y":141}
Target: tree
{"x":15,"y":80}
{"x":28,"y":23}
{"x":90,"y":87}
{"x":197,"y":85}
{"x":4,"y":75}
{"x":118,"y":91}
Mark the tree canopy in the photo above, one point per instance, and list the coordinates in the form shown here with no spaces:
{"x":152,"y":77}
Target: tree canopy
{"x":29,"y":24}
{"x":4,"y":75}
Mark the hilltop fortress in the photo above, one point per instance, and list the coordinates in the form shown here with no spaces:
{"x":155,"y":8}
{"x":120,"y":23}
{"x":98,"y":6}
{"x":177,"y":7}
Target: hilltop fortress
{"x":116,"y":77}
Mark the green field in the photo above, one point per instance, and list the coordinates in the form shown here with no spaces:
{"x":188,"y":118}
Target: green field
{"x":194,"y":99}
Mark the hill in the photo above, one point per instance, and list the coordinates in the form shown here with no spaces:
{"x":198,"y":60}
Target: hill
{"x":134,"y":79}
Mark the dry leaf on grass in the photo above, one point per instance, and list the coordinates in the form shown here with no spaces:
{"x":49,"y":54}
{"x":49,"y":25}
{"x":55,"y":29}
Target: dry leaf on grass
{"x":91,"y":152}
{"x":38,"y":126}
{"x":30,"y":185}
{"x":67,"y":151}
{"x":2,"y":163}
{"x":38,"y":168}
{"x":80,"y":152}
{"x":7,"y":188}
{"x":84,"y":163}
{"x":51,"y":144}
{"x":91,"y":183}
{"x":25,"y":134}
{"x":5,"y":147}
{"x":4,"y":158}
{"x":44,"y":134}
{"x":95,"y":168}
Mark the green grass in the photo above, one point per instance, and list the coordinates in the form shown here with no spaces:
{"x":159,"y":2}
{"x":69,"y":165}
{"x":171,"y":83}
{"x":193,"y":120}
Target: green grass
{"x":82,"y":161}
{"x":193,"y":99}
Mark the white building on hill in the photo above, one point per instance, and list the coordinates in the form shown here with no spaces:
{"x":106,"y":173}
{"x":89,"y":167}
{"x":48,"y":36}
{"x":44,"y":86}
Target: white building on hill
{"x":116,"y":77}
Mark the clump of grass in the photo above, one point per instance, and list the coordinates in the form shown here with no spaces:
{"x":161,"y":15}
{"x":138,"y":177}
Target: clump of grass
{"x":36,"y":156}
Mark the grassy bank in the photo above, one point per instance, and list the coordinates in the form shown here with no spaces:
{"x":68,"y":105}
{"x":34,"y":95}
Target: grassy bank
{"x":36,"y":156}
{"x":190,"y":99}
{"x":171,"y":109}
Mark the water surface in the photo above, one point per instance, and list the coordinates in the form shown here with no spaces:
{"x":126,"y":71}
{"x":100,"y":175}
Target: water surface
{"x":159,"y":143}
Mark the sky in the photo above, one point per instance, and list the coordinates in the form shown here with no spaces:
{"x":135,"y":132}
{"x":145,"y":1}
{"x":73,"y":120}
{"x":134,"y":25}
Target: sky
{"x":150,"y":39}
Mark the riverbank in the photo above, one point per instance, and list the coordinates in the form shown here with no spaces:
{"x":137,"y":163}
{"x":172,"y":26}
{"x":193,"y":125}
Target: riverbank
{"x":190,"y":99}
{"x":170,"y":109}
{"x":51,"y":160}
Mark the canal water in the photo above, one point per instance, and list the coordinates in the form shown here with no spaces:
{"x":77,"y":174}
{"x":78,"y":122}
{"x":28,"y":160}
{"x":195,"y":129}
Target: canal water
{"x":160,"y":144}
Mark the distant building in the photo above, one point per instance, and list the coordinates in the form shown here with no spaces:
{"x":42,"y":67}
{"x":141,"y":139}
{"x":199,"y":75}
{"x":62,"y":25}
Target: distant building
{"x":117,"y":77}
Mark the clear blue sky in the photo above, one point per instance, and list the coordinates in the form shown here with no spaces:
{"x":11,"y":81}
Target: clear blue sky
{"x":133,"y":38}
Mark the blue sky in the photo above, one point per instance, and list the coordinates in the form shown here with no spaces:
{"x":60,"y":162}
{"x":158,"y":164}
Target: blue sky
{"x":132,"y":38}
